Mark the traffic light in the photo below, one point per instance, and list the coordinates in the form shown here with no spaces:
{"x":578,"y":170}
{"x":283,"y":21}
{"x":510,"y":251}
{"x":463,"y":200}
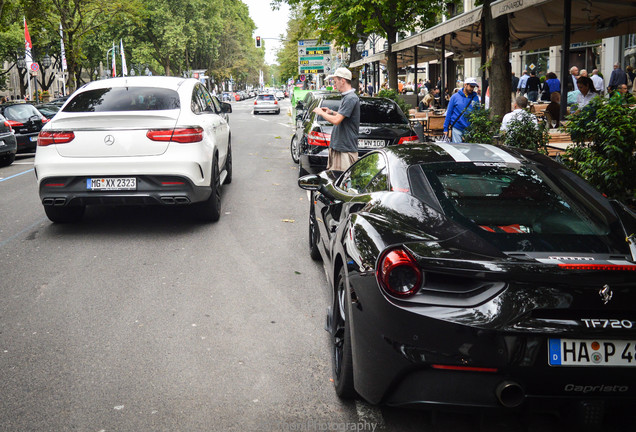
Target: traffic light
{"x":258,"y":41}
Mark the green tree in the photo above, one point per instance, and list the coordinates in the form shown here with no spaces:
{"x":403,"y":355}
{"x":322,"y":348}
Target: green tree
{"x":345,"y":21}
{"x":604,"y":136}
{"x":80,"y":20}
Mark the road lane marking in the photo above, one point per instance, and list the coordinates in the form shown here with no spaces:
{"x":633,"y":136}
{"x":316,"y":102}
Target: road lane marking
{"x":286,"y":125}
{"x":15,"y":175}
{"x":13,"y":237}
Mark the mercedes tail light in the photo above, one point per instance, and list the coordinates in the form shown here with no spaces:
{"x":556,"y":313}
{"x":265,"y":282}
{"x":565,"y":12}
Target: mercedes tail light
{"x":407,"y":139}
{"x":7,"y":124}
{"x":398,"y":273}
{"x":46,"y":138}
{"x":319,"y":139}
{"x":180,"y":135}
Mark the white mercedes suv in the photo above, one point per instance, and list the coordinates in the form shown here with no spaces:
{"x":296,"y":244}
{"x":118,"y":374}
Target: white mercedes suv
{"x":135,"y":141}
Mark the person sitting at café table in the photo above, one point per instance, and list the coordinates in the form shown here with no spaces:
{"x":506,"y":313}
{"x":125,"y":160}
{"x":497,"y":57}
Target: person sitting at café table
{"x":553,"y":110}
{"x":624,"y":93}
{"x":586,"y":87}
{"x":520,"y":113}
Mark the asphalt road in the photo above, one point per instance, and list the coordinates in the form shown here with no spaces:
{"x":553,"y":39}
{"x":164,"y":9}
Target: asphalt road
{"x":142,"y":319}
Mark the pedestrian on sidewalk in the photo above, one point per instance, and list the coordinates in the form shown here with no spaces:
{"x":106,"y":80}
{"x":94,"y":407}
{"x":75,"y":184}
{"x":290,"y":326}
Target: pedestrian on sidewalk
{"x":533,"y":85}
{"x":343,"y":149}
{"x":460,"y":105}
{"x":617,"y":77}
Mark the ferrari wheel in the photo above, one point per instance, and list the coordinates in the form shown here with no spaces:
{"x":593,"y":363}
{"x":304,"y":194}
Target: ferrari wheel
{"x":341,"y":339}
{"x":314,"y":233}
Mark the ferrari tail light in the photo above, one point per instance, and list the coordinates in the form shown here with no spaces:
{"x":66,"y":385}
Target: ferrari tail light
{"x":14,"y":123}
{"x":398,"y":273}
{"x":46,"y":138}
{"x":319,"y":139}
{"x":45,"y":120}
{"x":407,"y":139}
{"x":606,"y":267}
{"x":181,"y":135}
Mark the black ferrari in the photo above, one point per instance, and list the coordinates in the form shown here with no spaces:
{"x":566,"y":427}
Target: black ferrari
{"x":475,"y":275}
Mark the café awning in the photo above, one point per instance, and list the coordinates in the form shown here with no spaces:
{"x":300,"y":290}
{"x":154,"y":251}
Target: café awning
{"x":536,"y":24}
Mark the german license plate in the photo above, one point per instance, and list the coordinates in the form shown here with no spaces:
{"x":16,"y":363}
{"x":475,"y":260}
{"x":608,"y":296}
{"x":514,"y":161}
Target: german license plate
{"x":370,"y":144}
{"x":111,"y":183}
{"x":577,"y":352}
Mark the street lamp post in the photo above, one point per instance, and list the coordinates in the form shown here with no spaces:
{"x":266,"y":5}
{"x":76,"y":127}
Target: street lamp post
{"x":373,"y":40}
{"x":360,"y":48}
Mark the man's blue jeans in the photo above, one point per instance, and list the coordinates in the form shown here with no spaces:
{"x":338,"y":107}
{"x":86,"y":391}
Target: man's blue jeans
{"x":456,"y":136}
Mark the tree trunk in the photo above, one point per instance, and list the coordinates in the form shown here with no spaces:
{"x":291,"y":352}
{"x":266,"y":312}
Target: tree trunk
{"x":391,"y":61}
{"x":354,"y":55}
{"x":498,"y":34}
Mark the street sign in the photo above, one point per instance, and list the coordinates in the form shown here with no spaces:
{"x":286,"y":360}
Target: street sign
{"x":314,"y":60}
{"x":314,"y":57}
{"x":318,"y":50}
{"x":302,"y":77}
{"x":311,"y":69}
{"x":307,"y":42}
{"x":35,"y":67}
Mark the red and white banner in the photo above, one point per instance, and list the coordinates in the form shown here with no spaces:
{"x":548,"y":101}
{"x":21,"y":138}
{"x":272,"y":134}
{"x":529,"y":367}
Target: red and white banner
{"x":124,"y":69}
{"x":27,"y":46}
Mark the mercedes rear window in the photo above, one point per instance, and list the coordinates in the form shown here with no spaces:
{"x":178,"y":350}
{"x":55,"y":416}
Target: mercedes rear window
{"x":21,"y":112}
{"x":522,"y":208}
{"x":124,"y":99}
{"x":380,"y":111}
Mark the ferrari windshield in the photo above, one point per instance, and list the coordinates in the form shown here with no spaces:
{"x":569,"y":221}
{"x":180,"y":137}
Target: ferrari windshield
{"x":520,"y":205}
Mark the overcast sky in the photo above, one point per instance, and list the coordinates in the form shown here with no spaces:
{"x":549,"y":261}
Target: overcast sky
{"x":269,"y":24}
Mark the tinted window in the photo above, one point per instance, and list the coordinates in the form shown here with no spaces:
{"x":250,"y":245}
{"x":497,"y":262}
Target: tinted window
{"x":366,"y":176}
{"x":332,"y":104}
{"x":521,"y":207}
{"x":267,"y":97}
{"x":381,"y":111}
{"x":124,"y":99}
{"x":21,"y":112}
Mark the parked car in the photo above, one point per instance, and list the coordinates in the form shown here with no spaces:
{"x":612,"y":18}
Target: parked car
{"x":266,"y":102}
{"x":59,"y":101}
{"x":302,"y":115}
{"x":8,"y":143}
{"x":474,"y":275}
{"x":280,"y":95}
{"x":26,"y":122}
{"x":48,"y":110}
{"x":382,"y":123}
{"x":135,"y":141}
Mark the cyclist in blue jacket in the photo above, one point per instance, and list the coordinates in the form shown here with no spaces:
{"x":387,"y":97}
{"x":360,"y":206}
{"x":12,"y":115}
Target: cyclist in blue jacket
{"x":459,"y":106}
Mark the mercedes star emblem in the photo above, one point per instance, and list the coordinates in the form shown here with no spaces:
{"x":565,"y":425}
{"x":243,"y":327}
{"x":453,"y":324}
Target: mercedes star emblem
{"x":109,"y":140}
{"x":606,"y":294}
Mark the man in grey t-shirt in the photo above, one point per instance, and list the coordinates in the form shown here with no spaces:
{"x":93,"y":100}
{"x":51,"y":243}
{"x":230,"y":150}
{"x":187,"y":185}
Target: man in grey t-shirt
{"x":343,"y":149}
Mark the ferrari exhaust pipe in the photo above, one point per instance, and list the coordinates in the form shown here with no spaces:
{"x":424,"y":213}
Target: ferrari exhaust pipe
{"x":510,"y":394}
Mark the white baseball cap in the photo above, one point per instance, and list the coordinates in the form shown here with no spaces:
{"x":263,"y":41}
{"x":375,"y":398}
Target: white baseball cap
{"x":342,"y":73}
{"x":471,"y":81}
